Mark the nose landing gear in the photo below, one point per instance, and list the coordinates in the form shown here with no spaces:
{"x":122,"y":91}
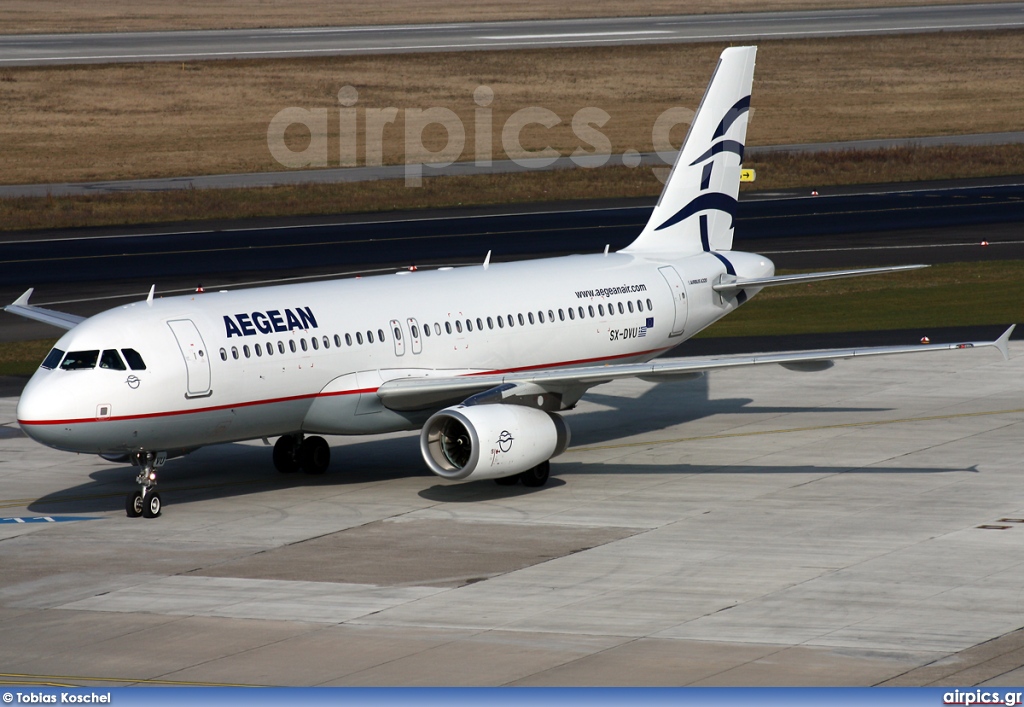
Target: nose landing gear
{"x":145,"y":501}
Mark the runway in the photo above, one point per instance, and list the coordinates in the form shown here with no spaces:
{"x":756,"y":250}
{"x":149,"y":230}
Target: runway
{"x":859,"y":526}
{"x":48,"y":50}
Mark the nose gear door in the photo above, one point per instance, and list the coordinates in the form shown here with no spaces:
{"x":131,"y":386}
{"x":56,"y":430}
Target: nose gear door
{"x":197,"y":359}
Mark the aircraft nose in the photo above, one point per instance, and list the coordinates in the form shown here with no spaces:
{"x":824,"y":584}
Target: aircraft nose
{"x":37,"y":412}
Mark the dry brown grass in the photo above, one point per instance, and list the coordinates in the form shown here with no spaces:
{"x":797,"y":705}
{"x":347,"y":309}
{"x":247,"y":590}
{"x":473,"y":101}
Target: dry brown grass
{"x":39,"y":16}
{"x":149,"y":120}
{"x":773,"y":172}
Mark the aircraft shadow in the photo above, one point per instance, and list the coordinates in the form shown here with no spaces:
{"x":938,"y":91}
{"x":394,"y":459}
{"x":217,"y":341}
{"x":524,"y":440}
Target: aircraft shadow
{"x":488,"y":491}
{"x":229,"y":470}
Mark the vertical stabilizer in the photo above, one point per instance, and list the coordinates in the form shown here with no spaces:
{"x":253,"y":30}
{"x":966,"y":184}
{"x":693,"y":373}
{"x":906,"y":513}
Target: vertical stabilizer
{"x":696,"y":209}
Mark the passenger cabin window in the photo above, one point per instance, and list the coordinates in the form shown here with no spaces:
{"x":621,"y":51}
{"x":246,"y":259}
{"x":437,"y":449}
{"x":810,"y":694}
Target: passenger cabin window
{"x":134,"y":360}
{"x":79,"y":360}
{"x":316,"y":344}
{"x":380,"y":335}
{"x":369,"y":337}
{"x":110,"y":359}
{"x":52,"y":359}
{"x":223,"y":355}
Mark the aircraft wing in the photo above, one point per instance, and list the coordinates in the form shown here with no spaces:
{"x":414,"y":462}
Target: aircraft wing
{"x":406,"y":394}
{"x":22,"y":308}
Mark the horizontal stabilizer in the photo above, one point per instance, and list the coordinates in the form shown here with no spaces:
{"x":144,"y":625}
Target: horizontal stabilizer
{"x":22,"y":308}
{"x":742,"y":283}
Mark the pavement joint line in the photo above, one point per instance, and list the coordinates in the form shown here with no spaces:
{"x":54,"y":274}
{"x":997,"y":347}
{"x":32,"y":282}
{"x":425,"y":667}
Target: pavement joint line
{"x":31,"y":679}
{"x":845,"y":425}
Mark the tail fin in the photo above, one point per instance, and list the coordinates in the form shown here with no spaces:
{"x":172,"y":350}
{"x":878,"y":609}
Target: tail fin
{"x":696,"y":208}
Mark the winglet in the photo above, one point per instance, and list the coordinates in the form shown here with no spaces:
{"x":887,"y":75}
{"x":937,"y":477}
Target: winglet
{"x":23,"y":300}
{"x":1002,"y":343}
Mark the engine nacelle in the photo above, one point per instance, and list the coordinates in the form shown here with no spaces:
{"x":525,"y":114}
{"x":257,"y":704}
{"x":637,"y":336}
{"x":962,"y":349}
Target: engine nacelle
{"x":469,"y":443}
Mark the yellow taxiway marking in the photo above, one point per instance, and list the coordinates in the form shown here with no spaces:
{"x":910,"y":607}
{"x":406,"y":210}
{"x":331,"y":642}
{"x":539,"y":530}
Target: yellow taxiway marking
{"x":756,"y":433}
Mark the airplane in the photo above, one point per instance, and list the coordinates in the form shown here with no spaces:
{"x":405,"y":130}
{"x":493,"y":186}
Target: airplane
{"x":479,"y":358}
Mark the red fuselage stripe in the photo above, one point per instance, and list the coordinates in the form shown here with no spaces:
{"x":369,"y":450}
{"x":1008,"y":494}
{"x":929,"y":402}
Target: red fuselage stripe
{"x":310,"y":396}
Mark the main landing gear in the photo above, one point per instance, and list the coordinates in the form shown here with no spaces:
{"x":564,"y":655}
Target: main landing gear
{"x":295,"y":452}
{"x":531,"y":478}
{"x":145,"y":501}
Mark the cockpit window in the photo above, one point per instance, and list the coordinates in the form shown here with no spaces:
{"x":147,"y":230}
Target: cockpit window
{"x":134,"y":360}
{"x":52,"y":359}
{"x":110,"y":359}
{"x":79,"y":360}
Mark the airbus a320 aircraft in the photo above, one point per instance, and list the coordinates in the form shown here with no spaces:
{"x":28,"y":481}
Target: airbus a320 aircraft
{"x":480,"y":358}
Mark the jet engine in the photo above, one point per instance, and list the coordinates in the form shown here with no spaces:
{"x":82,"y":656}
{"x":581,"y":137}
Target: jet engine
{"x":469,"y":443}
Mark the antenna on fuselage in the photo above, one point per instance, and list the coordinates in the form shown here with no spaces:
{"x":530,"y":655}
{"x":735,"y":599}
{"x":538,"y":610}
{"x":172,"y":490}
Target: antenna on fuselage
{"x":149,"y":298}
{"x":487,"y":260}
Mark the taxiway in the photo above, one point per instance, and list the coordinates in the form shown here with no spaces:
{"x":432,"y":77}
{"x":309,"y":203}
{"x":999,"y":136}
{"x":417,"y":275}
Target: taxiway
{"x":859,"y":526}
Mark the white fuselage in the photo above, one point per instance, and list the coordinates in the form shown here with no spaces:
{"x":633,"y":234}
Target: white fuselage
{"x":226,"y":366}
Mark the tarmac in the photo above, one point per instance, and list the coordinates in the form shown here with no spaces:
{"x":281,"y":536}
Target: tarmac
{"x":858,"y":526}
